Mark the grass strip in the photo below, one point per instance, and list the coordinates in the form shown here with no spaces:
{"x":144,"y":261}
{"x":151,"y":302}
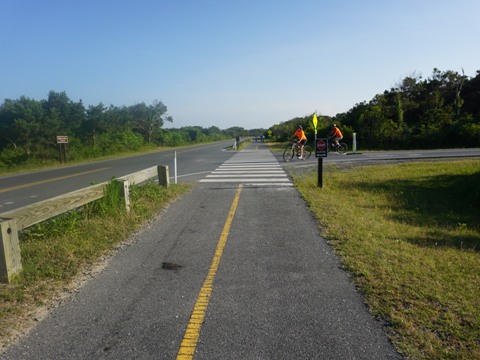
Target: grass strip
{"x":56,"y":252}
{"x":410,"y":235}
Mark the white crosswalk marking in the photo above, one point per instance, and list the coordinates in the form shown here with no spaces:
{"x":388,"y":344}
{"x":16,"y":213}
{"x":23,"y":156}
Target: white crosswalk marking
{"x":250,"y":167}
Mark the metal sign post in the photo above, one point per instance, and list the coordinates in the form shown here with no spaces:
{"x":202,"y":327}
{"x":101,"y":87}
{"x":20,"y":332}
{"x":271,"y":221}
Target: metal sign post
{"x":320,"y":173}
{"x":61,"y":141}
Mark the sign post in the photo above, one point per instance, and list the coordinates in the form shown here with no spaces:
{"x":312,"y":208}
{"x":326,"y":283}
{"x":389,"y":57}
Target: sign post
{"x":321,"y":147}
{"x":61,"y":141}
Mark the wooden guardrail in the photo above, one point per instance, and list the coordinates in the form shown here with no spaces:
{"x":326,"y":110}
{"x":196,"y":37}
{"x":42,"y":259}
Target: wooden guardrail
{"x":16,"y":220}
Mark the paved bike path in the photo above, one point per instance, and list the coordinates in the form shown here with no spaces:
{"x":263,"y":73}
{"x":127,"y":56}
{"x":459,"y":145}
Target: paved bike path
{"x":279,"y":291}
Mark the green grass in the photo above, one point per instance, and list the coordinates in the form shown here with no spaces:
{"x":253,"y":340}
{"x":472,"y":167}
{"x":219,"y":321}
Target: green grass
{"x":56,"y":251}
{"x":278,"y":147}
{"x":410,"y":235}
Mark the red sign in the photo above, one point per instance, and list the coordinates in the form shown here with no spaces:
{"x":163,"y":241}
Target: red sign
{"x":321,"y":147}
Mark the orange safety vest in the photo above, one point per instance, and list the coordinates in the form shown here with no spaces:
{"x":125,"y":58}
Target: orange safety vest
{"x":336,"y":132}
{"x":300,"y":134}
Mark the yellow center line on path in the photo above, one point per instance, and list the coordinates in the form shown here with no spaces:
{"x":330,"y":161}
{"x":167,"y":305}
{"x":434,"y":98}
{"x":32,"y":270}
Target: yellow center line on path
{"x":192,"y":333}
{"x":50,"y":180}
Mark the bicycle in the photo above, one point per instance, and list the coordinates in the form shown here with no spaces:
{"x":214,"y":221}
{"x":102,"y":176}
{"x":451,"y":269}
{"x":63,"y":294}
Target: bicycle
{"x":293,"y":149}
{"x":340,"y":148}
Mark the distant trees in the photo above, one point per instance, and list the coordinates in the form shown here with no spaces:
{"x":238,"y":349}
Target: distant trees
{"x":148,"y":120}
{"x":196,"y":134}
{"x":28,"y":128}
{"x":437,"y":112}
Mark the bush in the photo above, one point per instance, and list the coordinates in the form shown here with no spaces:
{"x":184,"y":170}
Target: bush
{"x":471,"y":134}
{"x":11,"y":157}
{"x":121,"y":141}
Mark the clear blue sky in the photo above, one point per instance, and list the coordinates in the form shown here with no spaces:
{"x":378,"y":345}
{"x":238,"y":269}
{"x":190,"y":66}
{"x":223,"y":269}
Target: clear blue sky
{"x":249,"y":63}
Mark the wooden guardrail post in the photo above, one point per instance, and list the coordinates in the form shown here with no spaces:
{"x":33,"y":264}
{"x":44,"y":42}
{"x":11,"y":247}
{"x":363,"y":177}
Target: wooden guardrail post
{"x":10,"y":260}
{"x":163,"y":175}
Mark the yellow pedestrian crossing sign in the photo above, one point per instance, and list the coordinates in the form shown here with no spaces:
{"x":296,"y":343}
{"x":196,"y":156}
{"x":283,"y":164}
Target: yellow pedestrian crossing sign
{"x":315,"y":121}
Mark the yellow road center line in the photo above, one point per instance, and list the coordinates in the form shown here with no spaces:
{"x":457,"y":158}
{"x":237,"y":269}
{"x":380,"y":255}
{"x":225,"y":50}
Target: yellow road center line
{"x":192,"y":333}
{"x":50,"y":180}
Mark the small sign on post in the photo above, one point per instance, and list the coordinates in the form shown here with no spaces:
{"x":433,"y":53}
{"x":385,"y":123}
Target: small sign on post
{"x":321,"y":149}
{"x":61,"y":141}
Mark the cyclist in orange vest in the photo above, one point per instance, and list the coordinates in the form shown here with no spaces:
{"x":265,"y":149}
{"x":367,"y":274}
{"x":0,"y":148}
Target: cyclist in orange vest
{"x":302,"y":139}
{"x":336,"y":135}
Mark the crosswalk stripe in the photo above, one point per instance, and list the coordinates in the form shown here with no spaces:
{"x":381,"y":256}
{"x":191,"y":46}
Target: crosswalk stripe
{"x":248,"y":172}
{"x":254,"y":168}
{"x":215,"y":175}
{"x":266,"y":180}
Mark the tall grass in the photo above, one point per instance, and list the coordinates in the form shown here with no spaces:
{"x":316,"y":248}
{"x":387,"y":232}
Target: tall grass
{"x":56,"y":251}
{"x":410,"y":235}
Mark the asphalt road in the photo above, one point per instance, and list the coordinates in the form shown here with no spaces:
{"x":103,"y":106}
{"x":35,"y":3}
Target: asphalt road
{"x":23,"y":189}
{"x":193,"y":163}
{"x":236,"y":269}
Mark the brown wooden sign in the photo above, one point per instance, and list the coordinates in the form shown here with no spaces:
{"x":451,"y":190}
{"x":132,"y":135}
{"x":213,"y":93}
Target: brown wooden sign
{"x":62,"y":139}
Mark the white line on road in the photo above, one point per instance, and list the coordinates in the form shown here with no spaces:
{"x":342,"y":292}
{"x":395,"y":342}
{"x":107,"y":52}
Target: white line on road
{"x":255,"y":168}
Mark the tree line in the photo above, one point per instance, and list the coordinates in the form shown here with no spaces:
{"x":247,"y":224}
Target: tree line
{"x":441,"y":111}
{"x":29,"y":129}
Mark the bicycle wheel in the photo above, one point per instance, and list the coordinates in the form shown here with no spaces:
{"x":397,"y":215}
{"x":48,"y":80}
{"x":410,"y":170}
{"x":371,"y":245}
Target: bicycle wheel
{"x":342,"y":148}
{"x":307,"y":151}
{"x":288,"y":154}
